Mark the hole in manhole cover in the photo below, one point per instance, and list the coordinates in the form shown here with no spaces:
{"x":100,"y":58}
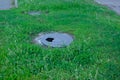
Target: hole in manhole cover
{"x":54,"y":39}
{"x":50,"y":39}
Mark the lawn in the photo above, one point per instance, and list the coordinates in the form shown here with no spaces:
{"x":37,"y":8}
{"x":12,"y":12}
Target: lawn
{"x":93,"y":55}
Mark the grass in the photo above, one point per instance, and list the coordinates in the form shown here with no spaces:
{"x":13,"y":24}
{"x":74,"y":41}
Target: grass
{"x":94,"y":54}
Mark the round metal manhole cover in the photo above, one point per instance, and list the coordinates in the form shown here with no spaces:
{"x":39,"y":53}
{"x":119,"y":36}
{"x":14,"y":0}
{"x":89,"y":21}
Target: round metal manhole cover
{"x":34,"y":13}
{"x":54,"y":39}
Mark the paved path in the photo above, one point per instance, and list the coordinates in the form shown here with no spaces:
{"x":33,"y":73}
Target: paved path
{"x":7,"y":4}
{"x":113,"y":4}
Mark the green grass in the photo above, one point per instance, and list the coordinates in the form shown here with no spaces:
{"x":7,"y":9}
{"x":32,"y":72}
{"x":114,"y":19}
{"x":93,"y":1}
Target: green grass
{"x":94,"y":54}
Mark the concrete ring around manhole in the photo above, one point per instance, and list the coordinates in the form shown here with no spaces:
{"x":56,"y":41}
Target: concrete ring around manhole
{"x":54,"y":39}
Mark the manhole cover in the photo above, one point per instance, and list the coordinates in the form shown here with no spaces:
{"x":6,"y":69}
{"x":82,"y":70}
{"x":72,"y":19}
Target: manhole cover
{"x":34,"y":13}
{"x":54,"y":39}
{"x":7,"y":4}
